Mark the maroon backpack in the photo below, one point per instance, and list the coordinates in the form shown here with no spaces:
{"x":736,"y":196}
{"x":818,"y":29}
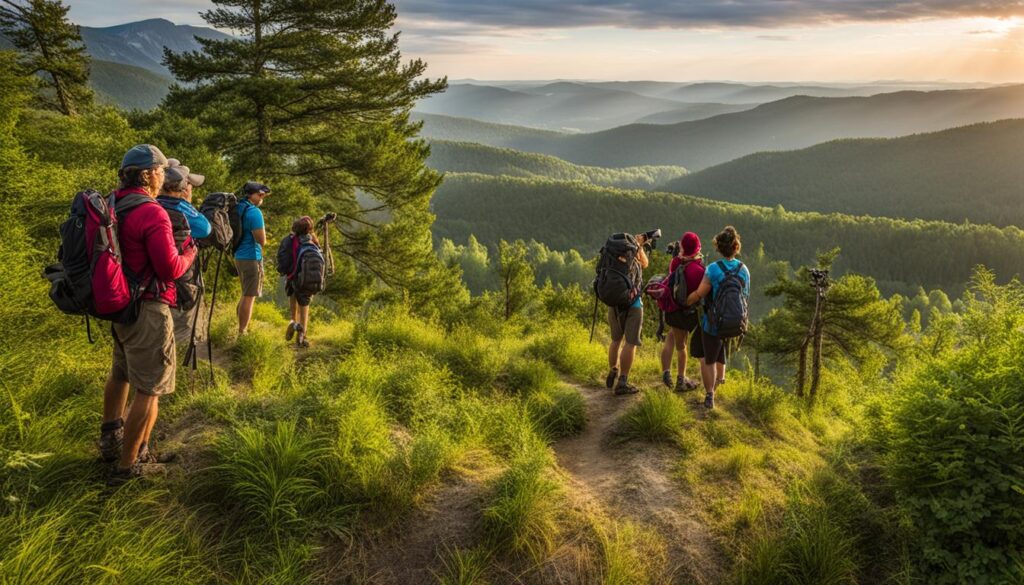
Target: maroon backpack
{"x":89,"y":277}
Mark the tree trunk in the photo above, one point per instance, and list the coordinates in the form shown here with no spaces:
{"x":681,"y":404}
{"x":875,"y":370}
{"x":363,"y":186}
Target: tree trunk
{"x":816,"y":359}
{"x":801,"y":370}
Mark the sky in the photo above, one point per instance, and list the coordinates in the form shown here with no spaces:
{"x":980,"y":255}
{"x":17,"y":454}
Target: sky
{"x":684,"y":40}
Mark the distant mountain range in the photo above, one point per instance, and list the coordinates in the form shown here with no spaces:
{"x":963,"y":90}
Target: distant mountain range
{"x":141,"y":44}
{"x":971,"y":173}
{"x":788,"y":124}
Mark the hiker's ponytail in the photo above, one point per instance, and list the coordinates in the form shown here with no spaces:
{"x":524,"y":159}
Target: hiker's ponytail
{"x":728,"y":242}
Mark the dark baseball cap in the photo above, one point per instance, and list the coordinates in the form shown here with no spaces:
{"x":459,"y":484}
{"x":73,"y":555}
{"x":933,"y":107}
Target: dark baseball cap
{"x":180,"y":172}
{"x":254,"y":187}
{"x":143,"y":156}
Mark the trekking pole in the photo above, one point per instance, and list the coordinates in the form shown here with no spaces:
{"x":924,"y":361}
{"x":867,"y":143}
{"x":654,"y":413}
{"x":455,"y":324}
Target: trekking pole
{"x":209,"y":320}
{"x":593,"y":325}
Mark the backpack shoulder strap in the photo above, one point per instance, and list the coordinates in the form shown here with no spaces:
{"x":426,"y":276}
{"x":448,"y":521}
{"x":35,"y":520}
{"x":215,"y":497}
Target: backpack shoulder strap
{"x":129,"y":202}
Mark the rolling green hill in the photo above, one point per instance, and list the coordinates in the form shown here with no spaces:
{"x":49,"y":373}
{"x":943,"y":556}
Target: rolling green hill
{"x":900,"y":254}
{"x":464,"y":157}
{"x":787,"y":124}
{"x":970,"y":173}
{"x":127,"y":86}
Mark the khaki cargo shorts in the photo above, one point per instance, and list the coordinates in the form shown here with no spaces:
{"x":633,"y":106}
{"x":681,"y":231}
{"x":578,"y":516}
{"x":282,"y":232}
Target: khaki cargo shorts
{"x":183,"y":329}
{"x":144,"y":351}
{"x":250,"y":272}
{"x":626,"y":324}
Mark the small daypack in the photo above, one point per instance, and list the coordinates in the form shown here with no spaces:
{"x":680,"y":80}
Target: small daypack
{"x":678,"y":289}
{"x":218,"y":208}
{"x":619,"y":275}
{"x":658,"y":289}
{"x":287,"y":251}
{"x":310,"y":272}
{"x":727,"y":312}
{"x":189,"y":286}
{"x":89,"y":277}
{"x":235,"y":217}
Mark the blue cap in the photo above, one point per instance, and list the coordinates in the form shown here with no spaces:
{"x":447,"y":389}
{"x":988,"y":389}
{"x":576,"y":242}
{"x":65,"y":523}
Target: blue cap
{"x":143,"y":156}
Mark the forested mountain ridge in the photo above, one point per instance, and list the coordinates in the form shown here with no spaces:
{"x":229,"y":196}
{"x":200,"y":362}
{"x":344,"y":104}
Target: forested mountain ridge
{"x":141,"y":44}
{"x":791,"y":123}
{"x":972,"y":173}
{"x":465,"y":157}
{"x":901,"y":255}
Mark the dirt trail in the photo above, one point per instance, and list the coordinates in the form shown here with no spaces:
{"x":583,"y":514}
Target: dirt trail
{"x":634,"y":481}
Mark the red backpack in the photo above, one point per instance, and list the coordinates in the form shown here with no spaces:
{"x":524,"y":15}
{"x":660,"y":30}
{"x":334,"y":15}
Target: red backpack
{"x":89,"y":277}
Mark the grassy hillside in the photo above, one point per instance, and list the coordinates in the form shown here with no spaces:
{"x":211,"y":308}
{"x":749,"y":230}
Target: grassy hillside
{"x":897,"y":253}
{"x":970,"y":173}
{"x":464,"y":157}
{"x":127,"y":86}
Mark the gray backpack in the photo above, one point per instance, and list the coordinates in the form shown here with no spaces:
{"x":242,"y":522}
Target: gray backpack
{"x":727,"y":312}
{"x":310,"y":270}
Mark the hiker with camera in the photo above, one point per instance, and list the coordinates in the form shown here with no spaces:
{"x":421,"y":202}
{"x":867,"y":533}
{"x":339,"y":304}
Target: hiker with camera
{"x":143,"y":356}
{"x":301,"y":262}
{"x":685,"y":273}
{"x":725,"y":290}
{"x":249,"y":249}
{"x":187,"y":224}
{"x":618,"y":285}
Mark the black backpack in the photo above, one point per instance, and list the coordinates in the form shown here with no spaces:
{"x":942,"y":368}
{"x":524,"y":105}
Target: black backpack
{"x":619,"y":276}
{"x":310,"y":270}
{"x":189,"y":286}
{"x":219,"y":208}
{"x":287,"y":250}
{"x":727,"y":312}
{"x":678,"y":289}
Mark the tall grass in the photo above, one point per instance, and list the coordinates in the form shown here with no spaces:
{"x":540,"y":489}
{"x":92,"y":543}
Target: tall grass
{"x":558,"y":412}
{"x":522,"y":515}
{"x":464,"y":567}
{"x":660,"y":416}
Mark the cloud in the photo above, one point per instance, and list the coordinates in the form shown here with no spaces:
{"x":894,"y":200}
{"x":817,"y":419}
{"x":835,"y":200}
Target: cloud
{"x":698,"y":13}
{"x":780,"y":38}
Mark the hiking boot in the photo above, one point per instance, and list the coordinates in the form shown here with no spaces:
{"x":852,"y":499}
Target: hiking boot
{"x":692,"y":384}
{"x":681,"y":385}
{"x":110,"y":444}
{"x":666,"y":379}
{"x":609,"y":380}
{"x":290,"y":331}
{"x":119,"y":477}
{"x":709,"y":400}
{"x":623,"y":389}
{"x":302,"y":342}
{"x":147,"y":455}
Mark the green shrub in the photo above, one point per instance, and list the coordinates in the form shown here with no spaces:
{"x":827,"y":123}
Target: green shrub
{"x":566,"y":346}
{"x":526,"y":376}
{"x":413,"y":466}
{"x":269,"y":475}
{"x":809,"y":550}
{"x":522,"y":514}
{"x":416,"y":389}
{"x":473,"y":359}
{"x":954,"y":448}
{"x":659,"y":417}
{"x":763,"y":402}
{"x":558,"y":412}
{"x":394,"y":328}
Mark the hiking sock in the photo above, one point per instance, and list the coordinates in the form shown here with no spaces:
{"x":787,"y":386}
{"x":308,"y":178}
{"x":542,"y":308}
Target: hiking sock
{"x":112,"y":425}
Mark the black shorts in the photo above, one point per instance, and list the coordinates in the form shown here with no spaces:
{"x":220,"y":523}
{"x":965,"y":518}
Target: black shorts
{"x":681,"y":320}
{"x":714,"y":349}
{"x":303,"y":300}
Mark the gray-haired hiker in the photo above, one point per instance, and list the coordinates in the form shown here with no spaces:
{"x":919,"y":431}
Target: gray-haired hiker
{"x":249,"y":253}
{"x":725,"y":288}
{"x":187,"y":223}
{"x":144,"y":356}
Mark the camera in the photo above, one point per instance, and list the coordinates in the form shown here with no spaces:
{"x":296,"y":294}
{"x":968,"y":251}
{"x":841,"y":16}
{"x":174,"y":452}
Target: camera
{"x":328,"y":217}
{"x":651,"y":239}
{"x":819,"y":278}
{"x":673,"y":249}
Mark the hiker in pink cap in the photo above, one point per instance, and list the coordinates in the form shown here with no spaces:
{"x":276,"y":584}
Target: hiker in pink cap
{"x":685,"y":274}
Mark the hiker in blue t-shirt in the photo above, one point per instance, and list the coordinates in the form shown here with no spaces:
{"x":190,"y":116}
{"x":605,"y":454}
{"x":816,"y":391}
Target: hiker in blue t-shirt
{"x":249,"y":254}
{"x":712,"y":367}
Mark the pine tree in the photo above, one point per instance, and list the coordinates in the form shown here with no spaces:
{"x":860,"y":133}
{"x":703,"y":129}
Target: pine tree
{"x":516,"y":276}
{"x":314,"y":92}
{"x":50,"y":46}
{"x":851,"y":320}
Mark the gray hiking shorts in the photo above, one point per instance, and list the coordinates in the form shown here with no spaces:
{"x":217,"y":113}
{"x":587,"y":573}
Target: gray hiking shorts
{"x":626,"y":324}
